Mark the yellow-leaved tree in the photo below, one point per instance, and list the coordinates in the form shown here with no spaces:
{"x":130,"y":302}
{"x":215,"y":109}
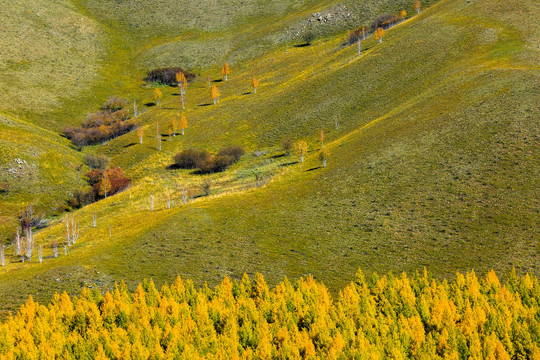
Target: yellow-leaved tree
{"x":140,"y":134}
{"x":379,"y":34}
{"x":402,"y":14}
{"x":157,"y":97}
{"x":214,"y":91}
{"x":255,"y":84}
{"x":417,"y":5}
{"x":225,"y":70}
{"x":182,"y":85}
{"x":182,"y":123}
{"x":323,"y":155}
{"x":301,"y":149}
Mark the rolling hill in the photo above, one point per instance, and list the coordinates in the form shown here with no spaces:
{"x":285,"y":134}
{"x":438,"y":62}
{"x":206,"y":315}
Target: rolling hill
{"x":433,"y":135}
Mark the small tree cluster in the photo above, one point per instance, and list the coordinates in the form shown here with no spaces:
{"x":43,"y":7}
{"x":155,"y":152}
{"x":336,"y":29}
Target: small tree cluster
{"x":357,"y":34}
{"x":167,"y":76}
{"x":206,"y":162}
{"x":384,"y":21}
{"x":103,"y":183}
{"x":215,"y":93}
{"x":112,"y":121}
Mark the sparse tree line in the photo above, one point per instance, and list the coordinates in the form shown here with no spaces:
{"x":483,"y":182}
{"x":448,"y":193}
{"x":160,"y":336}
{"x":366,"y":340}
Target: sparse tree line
{"x":378,"y":27}
{"x":375,"y":317}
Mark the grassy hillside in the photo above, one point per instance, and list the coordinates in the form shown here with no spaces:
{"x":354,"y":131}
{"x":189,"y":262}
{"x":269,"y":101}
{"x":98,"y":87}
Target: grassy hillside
{"x":433,"y":163}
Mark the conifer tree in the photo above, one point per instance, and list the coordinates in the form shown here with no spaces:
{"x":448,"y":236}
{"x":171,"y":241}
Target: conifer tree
{"x":225,"y":70}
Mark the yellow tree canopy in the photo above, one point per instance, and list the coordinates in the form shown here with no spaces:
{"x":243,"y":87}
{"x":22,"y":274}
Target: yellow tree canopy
{"x":403,"y":13}
{"x":215,"y":92}
{"x":182,"y":122}
{"x":157,"y":96}
{"x":255,"y":82}
{"x":181,"y":80}
{"x":379,"y":33}
{"x":225,"y":69}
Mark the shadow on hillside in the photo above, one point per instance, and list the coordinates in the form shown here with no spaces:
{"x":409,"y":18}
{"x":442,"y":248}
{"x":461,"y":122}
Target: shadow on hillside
{"x":207,"y":104}
{"x":289,"y":163}
{"x":301,"y":45}
{"x":315,"y":168}
{"x":217,"y":80}
{"x":129,"y":145}
{"x":150,"y":104}
{"x":248,"y":93}
{"x":175,"y":94}
{"x":278,"y":156}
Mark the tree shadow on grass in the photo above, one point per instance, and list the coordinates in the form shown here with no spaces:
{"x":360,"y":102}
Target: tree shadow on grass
{"x":277,"y":156}
{"x":129,"y":145}
{"x":207,"y":104}
{"x":150,"y":104}
{"x":289,"y":163}
{"x":302,"y":45}
{"x":217,"y":80}
{"x":248,"y":93}
{"x":315,"y":168}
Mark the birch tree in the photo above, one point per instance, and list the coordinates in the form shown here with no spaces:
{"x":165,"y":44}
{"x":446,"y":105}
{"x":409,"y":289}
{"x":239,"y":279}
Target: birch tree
{"x":29,"y":243}
{"x":182,"y":123}
{"x":225,"y":70}
{"x":55,"y":249}
{"x":140,"y":134}
{"x":323,"y":155}
{"x":158,"y":95}
{"x":182,"y":86}
{"x":40,"y":253}
{"x":3,"y":255}
{"x":379,"y":34}
{"x":417,"y":5}
{"x":301,"y":150}
{"x":255,"y":84}
{"x":215,"y":93}
{"x":17,"y":245}
{"x":94,"y":220}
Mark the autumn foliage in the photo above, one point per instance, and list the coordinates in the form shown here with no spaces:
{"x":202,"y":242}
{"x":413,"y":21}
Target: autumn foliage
{"x":388,"y":317}
{"x":225,"y":70}
{"x":167,"y":76}
{"x":215,"y":93}
{"x":206,"y":162}
{"x":379,"y":34}
{"x":103,"y":182}
{"x":110,"y":122}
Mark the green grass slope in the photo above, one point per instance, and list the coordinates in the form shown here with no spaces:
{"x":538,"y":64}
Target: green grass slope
{"x":37,"y":168}
{"x":433,"y":164}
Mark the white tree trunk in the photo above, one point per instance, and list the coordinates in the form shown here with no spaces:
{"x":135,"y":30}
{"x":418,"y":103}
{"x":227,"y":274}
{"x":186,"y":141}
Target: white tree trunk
{"x":254,"y":90}
{"x":2,"y":255}
{"x":359,"y":48}
{"x":324,"y":163}
{"x":55,"y":250}
{"x":151,"y":202}
{"x":94,"y":219}
{"x":40,"y":253}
